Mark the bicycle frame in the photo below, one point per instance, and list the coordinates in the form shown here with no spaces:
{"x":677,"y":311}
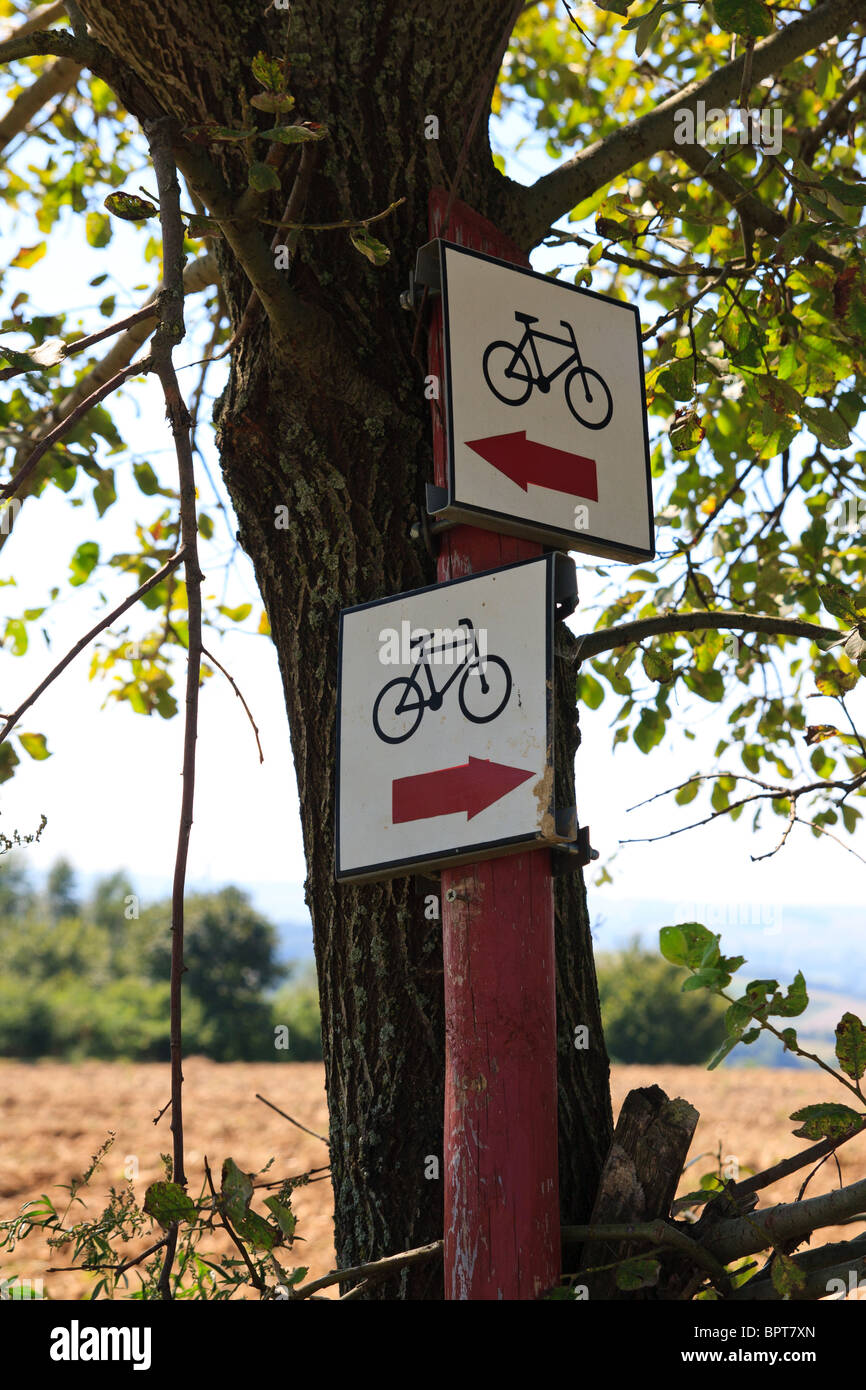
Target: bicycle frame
{"x":470,"y":658}
{"x":530,"y":335}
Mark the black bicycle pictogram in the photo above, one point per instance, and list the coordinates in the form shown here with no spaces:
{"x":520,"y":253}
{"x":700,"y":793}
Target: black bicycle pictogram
{"x":509,"y":375}
{"x":483,"y":692}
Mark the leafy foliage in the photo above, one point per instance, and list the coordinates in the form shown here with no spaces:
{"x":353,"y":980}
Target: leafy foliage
{"x":88,"y":979}
{"x":646,"y":1016}
{"x":100,"y":1246}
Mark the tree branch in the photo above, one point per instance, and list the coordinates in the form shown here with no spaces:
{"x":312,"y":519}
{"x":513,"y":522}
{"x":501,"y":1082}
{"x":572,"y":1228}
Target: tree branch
{"x":65,"y":425}
{"x":852,"y":1255}
{"x":656,"y":1233}
{"x":378,"y":1269}
{"x":168,"y":334}
{"x":56,"y":79}
{"x":39,"y":19}
{"x":196,"y":276}
{"x":591,"y":644}
{"x":88,"y":637}
{"x":749,"y":208}
{"x":779,"y":1225}
{"x":556,"y":193}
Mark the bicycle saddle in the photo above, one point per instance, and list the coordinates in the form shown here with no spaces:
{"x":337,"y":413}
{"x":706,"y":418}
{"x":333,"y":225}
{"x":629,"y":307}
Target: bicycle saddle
{"x":526,"y":318}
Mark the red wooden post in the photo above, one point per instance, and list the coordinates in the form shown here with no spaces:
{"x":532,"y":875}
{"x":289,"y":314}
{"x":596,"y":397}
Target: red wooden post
{"x":500,"y":1150}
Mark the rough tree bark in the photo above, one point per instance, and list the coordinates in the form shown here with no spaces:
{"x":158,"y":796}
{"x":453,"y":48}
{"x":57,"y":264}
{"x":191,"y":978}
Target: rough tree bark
{"x":332,"y":423}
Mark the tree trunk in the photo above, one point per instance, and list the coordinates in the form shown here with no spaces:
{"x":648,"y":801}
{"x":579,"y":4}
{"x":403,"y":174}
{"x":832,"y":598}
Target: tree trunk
{"x":332,"y":424}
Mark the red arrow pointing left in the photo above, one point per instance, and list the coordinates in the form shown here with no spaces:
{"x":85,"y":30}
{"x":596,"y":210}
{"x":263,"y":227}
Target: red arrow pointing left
{"x":470,"y":787}
{"x":524,"y":462}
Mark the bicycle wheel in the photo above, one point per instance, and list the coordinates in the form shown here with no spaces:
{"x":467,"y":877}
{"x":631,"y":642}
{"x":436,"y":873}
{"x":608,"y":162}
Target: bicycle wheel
{"x":477,"y":706}
{"x":596,"y":406}
{"x":507,"y":373}
{"x":396,"y":714}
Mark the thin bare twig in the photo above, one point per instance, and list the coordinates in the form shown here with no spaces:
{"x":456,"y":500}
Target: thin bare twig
{"x":291,"y":1121}
{"x":210,"y":656}
{"x":134,"y":369}
{"x":82,"y":344}
{"x":170,"y":331}
{"x":790,"y":1165}
{"x":88,"y":637}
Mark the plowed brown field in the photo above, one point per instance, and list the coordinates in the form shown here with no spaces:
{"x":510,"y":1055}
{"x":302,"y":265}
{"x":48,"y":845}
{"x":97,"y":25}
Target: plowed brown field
{"x":55,"y":1115}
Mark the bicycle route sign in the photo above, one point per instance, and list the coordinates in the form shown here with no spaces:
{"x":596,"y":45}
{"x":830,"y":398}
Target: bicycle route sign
{"x":445,"y":722}
{"x":545,"y":406}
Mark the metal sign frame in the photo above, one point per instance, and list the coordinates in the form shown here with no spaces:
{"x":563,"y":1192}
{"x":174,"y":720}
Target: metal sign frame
{"x":444,"y":502}
{"x":561,"y":592}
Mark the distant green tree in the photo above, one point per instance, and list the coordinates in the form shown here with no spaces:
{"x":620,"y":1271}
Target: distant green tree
{"x":16,"y":893}
{"x":646,"y":1016}
{"x":296,"y":1006}
{"x":230,"y":953}
{"x":61,"y":892}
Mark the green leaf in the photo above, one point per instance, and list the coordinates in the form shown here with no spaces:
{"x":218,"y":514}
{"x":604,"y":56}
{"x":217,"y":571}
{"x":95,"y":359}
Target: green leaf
{"x":146,"y":479}
{"x":751,"y":18}
{"x":236,"y":1190}
{"x":727,"y":1046}
{"x":268,"y":72}
{"x":836,"y":682}
{"x":787,"y":1276}
{"x":686,"y":432}
{"x":689,"y":944}
{"x":640,"y":1272}
{"x":646,"y":27}
{"x":285,"y":1217}
{"x":29,"y":255}
{"x":167,"y":1202}
{"x":296,"y":134}
{"x":272,"y":102}
{"x":673,"y":945}
{"x":236,"y":615}
{"x":198,"y":226}
{"x":129,"y":208}
{"x":851,"y":194}
{"x":16,"y":636}
{"x":617,"y":6}
{"x":827,"y":1120}
{"x":263,"y":177}
{"x":35,"y":745}
{"x":98,"y":229}
{"x":376,"y":253}
{"x":687,"y":793}
{"x":794,"y":1002}
{"x":590,"y":692}
{"x":851,"y":1046}
{"x":83,"y":562}
{"x":839,"y":601}
{"x":47,"y":354}
{"x":658,"y":665}
{"x":9,"y":760}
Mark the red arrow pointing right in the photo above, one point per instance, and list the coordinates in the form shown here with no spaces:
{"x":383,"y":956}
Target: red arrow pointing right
{"x":525,"y":462}
{"x":470,"y":787}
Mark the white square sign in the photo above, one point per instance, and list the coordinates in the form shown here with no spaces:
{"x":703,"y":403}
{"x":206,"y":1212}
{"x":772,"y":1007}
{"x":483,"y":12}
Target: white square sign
{"x":546,"y":408}
{"x":445,"y":722}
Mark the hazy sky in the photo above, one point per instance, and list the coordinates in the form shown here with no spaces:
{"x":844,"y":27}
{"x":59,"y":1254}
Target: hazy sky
{"x":111,"y":789}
